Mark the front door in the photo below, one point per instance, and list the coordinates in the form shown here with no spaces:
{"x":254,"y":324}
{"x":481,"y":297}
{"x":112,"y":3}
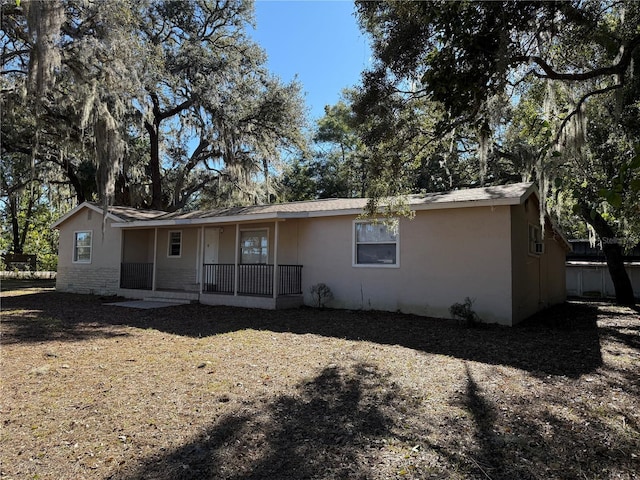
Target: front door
{"x":211,"y":244}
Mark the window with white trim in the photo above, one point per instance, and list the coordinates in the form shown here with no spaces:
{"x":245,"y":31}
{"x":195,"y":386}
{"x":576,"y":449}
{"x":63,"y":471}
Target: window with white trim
{"x":254,"y":246}
{"x":376,"y":244}
{"x":82,"y":243}
{"x":175,"y":244}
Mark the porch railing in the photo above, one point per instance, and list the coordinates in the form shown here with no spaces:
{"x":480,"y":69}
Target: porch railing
{"x":137,"y":276}
{"x":218,"y":278}
{"x":254,"y":279}
{"x":290,"y":279}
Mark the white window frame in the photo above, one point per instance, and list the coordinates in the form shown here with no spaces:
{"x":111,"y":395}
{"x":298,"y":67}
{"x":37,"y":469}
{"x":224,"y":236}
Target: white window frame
{"x":355,"y":243}
{"x":169,"y":255}
{"x":531,"y":242}
{"x":74,"y":253}
{"x":261,"y":229}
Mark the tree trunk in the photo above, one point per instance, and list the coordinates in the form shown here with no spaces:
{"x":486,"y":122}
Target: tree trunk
{"x":265,"y":168}
{"x":15,"y":226}
{"x":154,"y":166}
{"x":613,"y":254}
{"x":154,"y":139}
{"x":27,"y":222}
{"x":75,"y":182}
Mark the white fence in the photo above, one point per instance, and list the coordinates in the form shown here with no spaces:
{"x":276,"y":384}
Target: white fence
{"x":592,"y":279}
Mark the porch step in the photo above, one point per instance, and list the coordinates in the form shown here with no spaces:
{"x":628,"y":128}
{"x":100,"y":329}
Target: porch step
{"x":182,"y":301}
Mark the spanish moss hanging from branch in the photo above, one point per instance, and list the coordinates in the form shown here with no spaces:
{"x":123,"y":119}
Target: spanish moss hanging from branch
{"x":44,"y":19}
{"x":110,"y":149}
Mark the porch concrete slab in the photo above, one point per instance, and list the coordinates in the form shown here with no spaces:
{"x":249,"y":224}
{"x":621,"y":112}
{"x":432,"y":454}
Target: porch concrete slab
{"x":145,"y":304}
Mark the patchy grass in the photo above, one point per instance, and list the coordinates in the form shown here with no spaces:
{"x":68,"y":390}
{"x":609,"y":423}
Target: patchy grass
{"x":197,"y":392}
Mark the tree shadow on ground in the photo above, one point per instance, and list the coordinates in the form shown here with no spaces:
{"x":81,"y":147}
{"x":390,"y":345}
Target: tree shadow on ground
{"x":563,"y":340}
{"x":630,"y":336}
{"x":542,"y":439}
{"x":342,"y":423}
{"x":50,"y":316}
{"x":348,"y":423}
{"x":321,"y":432}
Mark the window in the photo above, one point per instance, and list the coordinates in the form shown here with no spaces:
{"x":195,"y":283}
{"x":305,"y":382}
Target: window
{"x":254,"y":246}
{"x":82,"y":247}
{"x":535,"y":242}
{"x":376,"y":244}
{"x":175,"y":244}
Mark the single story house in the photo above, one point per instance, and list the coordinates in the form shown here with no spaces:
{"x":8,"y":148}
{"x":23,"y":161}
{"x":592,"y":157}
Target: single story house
{"x":483,"y":243}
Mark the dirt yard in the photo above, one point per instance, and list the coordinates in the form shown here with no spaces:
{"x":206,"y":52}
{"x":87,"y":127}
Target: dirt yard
{"x":195,"y":392}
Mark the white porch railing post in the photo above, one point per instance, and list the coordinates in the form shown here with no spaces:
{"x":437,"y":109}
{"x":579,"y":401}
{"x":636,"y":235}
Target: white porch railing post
{"x":275,"y":261}
{"x":235,"y":267}
{"x":200,"y":259}
{"x":121,"y":257}
{"x":155,"y":258}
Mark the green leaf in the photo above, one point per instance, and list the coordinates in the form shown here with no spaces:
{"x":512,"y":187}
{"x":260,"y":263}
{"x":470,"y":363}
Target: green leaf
{"x":635,"y":163}
{"x":615,"y":200}
{"x":635,"y":184}
{"x":556,"y":154}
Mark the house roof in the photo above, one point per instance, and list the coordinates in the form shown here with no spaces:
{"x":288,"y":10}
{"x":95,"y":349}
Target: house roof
{"x":129,"y":214}
{"x":115,"y":213}
{"x":487,"y":196}
{"x":126,"y":217}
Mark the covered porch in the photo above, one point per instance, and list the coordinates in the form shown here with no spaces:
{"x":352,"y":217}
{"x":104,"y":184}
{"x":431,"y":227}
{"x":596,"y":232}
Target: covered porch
{"x":251,"y":264}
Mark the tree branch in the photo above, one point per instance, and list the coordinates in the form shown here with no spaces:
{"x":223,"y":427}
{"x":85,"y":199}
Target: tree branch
{"x":618,"y":68}
{"x":581,"y":102}
{"x":175,"y":110}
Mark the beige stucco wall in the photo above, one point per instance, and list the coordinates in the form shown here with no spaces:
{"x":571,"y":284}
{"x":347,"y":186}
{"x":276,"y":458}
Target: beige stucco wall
{"x":445,"y":256}
{"x":138,"y":246}
{"x":226,"y":252}
{"x":538,"y":280}
{"x":179,"y":273}
{"x":102,"y":275}
{"x":288,"y":243}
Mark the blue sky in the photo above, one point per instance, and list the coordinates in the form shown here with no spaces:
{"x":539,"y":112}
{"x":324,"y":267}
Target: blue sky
{"x":317,"y":41}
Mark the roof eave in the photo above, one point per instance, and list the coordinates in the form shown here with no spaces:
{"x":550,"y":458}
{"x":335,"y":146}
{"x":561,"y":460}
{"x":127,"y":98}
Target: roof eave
{"x":533,"y":189}
{"x":210,"y":220}
{"x":186,"y":222}
{"x":489,"y":202}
